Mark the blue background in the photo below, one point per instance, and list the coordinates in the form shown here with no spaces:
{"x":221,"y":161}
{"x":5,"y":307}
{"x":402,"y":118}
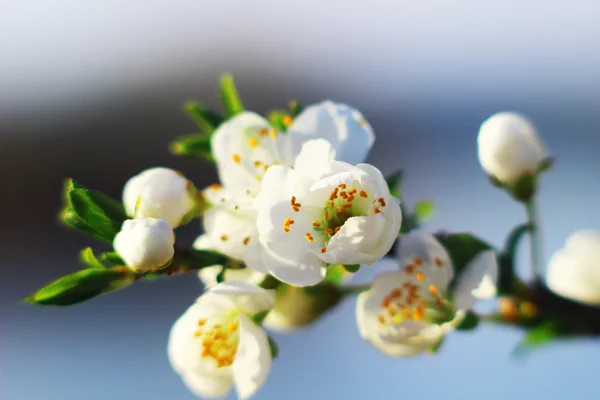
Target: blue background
{"x":93,"y":90}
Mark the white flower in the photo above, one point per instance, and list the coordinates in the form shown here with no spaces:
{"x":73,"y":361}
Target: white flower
{"x":145,"y":243}
{"x":508,"y":147}
{"x":408,"y":311}
{"x":323,"y":212}
{"x":574,"y":271}
{"x":159,"y":193}
{"x":246,"y":146}
{"x":215,"y":344}
{"x":208,"y":275}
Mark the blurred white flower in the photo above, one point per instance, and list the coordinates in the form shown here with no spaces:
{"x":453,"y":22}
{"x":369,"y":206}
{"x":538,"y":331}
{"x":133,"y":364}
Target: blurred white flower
{"x":574,"y":271}
{"x":145,"y":243}
{"x":323,"y":212}
{"x":246,"y":146}
{"x":215,"y":344}
{"x":160,"y":193}
{"x":509,"y":147}
{"x":408,"y":311}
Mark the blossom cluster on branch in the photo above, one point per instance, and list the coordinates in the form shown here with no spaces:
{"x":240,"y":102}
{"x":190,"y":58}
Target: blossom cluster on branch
{"x":295,"y":214}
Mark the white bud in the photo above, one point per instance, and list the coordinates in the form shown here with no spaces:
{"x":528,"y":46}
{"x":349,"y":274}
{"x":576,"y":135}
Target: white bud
{"x":160,"y":193}
{"x":574,"y":271}
{"x":508,"y":147}
{"x":145,"y":243}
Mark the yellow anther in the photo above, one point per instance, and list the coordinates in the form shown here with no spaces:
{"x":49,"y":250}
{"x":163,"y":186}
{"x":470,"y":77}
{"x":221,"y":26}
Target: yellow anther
{"x":263,"y":132}
{"x":420,"y":276}
{"x":273,"y":133}
{"x":257,"y":163}
{"x":287,"y":120}
{"x":224,"y":238}
{"x":323,"y":250}
{"x":236,"y":158}
{"x":246,"y":240}
{"x":253,"y":142}
{"x":215,"y":186}
{"x":309,"y":237}
{"x":316,"y":224}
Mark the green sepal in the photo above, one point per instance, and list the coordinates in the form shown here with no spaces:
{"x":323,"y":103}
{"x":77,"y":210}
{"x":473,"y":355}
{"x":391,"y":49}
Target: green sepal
{"x":232,"y":104}
{"x":112,"y":258}
{"x":280,"y":119}
{"x":91,"y":211}
{"x":462,"y":249}
{"x":82,"y":285}
{"x":336,"y":274}
{"x":469,"y":322}
{"x":524,"y":188}
{"x":208,"y":121}
{"x":221,"y":275}
{"x":424,"y":210}
{"x":195,"y":145}
{"x":260,"y":317}
{"x":273,"y":347}
{"x":87,"y":257}
{"x":352,"y":268}
{"x":295,"y":108}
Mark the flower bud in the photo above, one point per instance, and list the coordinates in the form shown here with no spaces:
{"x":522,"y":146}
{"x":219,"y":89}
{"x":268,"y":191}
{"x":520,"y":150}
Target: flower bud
{"x":574,"y":272}
{"x":509,"y":148}
{"x":145,"y":243}
{"x":160,"y":193}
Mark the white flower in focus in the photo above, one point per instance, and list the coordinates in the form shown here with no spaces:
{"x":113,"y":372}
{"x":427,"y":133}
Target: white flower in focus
{"x":160,"y":193}
{"x":574,"y":271}
{"x":341,"y":125}
{"x":408,"y":311}
{"x":246,"y":146}
{"x":508,"y":147}
{"x":145,"y":243}
{"x":215,"y":344}
{"x":323,"y":212}
{"x":208,"y":275}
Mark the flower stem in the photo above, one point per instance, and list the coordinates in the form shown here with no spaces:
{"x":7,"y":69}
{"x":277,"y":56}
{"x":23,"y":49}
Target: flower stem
{"x":536,"y":255}
{"x":354,"y":289}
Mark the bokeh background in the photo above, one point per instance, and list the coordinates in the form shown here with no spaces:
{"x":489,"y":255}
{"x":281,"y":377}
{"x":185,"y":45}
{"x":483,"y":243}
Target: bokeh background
{"x":93,"y":90}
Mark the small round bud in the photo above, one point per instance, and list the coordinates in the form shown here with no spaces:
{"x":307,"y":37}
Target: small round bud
{"x":508,"y":147}
{"x":145,"y":243}
{"x":159,"y":193}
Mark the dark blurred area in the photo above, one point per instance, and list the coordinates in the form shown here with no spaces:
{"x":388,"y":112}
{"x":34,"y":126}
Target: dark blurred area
{"x":94,"y":92}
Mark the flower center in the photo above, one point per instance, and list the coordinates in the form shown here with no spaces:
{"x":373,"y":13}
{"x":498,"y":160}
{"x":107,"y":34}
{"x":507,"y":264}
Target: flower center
{"x":416,"y":301}
{"x":219,"y":341}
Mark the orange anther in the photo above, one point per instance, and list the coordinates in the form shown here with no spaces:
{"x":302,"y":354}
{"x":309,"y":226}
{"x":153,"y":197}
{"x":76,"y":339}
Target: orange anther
{"x":363,"y":194}
{"x":236,"y":158}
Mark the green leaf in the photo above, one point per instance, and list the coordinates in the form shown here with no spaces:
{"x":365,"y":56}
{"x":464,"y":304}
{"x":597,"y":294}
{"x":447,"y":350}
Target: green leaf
{"x":229,"y":96}
{"x":462,"y":248}
{"x":352,"y":268}
{"x":424,"y":209}
{"x":280,"y":119}
{"x":537,"y":337}
{"x":207,"y":120}
{"x":113,"y":258}
{"x":92,"y":212}
{"x":394,"y":182}
{"x":82,"y":285}
{"x":87,"y":257}
{"x":274,"y":347}
{"x":260,"y":317}
{"x":470,"y":322}
{"x":195,"y":145}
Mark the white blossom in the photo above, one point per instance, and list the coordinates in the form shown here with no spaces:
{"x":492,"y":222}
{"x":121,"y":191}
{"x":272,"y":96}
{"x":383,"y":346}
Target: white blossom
{"x":145,"y":243}
{"x":246,"y":146}
{"x":408,"y":311}
{"x":574,"y":271}
{"x":323,"y":212}
{"x":160,"y":193}
{"x":509,"y":147}
{"x":215,"y":345}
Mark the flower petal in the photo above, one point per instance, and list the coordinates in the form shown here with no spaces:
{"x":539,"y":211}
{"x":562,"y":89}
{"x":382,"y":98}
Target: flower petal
{"x":305,"y":270}
{"x":249,"y":298}
{"x":253,"y":360}
{"x":477,"y":281}
{"x":344,"y":127}
{"x":315,"y":158}
{"x":214,"y":387}
{"x":356,"y":240}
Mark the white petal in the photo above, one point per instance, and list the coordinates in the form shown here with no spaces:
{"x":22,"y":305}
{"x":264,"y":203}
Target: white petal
{"x":344,"y":127}
{"x":249,"y":298}
{"x":356,"y":240}
{"x":304,"y":270}
{"x":253,"y":359}
{"x":477,"y":281}
{"x":315,"y":158}
{"x":179,"y":338}
{"x":214,"y":387}
{"x":420,"y":244}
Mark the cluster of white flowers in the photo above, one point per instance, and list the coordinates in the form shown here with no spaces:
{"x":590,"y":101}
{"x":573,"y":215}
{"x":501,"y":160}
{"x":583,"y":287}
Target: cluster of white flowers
{"x":289,"y":206}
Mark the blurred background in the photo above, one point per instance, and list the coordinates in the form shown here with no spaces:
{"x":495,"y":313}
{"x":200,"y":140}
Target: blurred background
{"x":93,"y":90}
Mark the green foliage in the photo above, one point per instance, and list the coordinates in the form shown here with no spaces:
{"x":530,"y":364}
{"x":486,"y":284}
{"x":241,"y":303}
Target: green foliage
{"x":87,"y":257}
{"x":274,"y":347}
{"x":232,"y":104}
{"x":295,"y":108}
{"x":91,"y":212}
{"x":352,"y":268}
{"x":280,"y":119}
{"x":196,"y":145}
{"x":81,"y":286}
{"x":537,"y":337}
{"x":260,"y":317}
{"x":394,"y":181}
{"x":335,"y":274}
{"x":424,"y":210}
{"x":208,"y":121}
{"x":470,"y":322}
